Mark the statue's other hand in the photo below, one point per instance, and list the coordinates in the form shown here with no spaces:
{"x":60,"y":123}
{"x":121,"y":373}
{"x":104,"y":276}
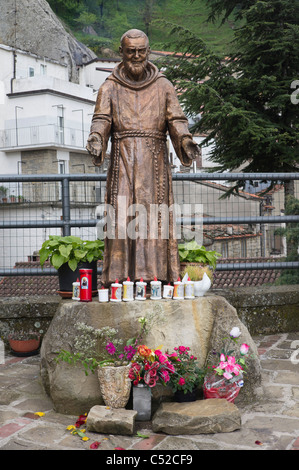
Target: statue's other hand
{"x":95,"y":147}
{"x":191,"y":149}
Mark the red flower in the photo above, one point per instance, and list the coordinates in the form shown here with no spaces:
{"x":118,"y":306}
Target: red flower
{"x":81,"y":420}
{"x":95,"y":445}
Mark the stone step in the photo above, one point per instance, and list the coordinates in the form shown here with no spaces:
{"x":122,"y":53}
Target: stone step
{"x":198,"y":417}
{"x":106,"y":420}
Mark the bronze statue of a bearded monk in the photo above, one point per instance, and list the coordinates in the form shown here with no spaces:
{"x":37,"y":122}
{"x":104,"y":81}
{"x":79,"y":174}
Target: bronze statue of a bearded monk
{"x":136,"y":106}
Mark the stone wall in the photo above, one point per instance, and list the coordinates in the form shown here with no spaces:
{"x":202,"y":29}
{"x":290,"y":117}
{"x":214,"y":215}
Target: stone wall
{"x":263,"y":310}
{"x":200,"y":324}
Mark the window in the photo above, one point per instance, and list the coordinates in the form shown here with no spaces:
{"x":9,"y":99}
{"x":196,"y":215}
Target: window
{"x":43,"y":69}
{"x":224,"y":249}
{"x":243,"y":249}
{"x":61,"y":167}
{"x":60,"y":122}
{"x":31,"y":72}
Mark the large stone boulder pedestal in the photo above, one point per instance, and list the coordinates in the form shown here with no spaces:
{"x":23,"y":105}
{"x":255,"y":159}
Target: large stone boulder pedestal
{"x":201,"y":324}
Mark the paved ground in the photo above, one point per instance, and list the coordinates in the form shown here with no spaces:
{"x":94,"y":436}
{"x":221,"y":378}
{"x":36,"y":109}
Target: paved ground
{"x":272,"y":424}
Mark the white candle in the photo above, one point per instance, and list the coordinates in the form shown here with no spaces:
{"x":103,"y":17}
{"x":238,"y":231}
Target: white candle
{"x":140,"y":293}
{"x":178,"y":293}
{"x":103,"y":295}
{"x":116,"y":291}
{"x":189,"y":289}
{"x":167,"y":291}
{"x":156,"y":289}
{"x":76,"y":290}
{"x":128,"y":290}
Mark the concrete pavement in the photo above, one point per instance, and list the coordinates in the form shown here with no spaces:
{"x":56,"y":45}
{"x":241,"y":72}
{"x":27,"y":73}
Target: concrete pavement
{"x":271,"y":424}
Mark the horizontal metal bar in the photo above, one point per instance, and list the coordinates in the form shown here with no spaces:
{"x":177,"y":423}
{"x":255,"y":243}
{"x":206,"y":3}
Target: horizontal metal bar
{"x":32,"y":272}
{"x":236,"y":176}
{"x":257,"y":266}
{"x":54,"y":177}
{"x":175,"y":177}
{"x":180,"y":221}
{"x":219,"y":267}
{"x":275,"y":219}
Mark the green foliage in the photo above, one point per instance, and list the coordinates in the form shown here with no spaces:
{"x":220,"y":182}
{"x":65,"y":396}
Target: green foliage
{"x":191,"y":252}
{"x":71,"y":250}
{"x":245,"y":101}
{"x":188,"y":375}
{"x":91,"y":347}
{"x":113,"y":17}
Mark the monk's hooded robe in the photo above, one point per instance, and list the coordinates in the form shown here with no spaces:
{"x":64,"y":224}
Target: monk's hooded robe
{"x":137,"y":116}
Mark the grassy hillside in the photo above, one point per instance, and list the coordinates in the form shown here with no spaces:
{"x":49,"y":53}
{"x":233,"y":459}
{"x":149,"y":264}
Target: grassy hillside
{"x":109,"y":19}
{"x":194,"y":17}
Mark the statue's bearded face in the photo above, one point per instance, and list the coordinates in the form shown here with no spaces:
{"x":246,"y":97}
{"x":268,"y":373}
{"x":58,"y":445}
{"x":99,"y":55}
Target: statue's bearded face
{"x":135,"y":56}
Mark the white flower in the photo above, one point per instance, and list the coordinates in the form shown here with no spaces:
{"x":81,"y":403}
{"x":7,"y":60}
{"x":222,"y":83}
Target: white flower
{"x":235,"y":332}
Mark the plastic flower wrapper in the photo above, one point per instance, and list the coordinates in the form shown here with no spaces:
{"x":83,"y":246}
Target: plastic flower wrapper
{"x":226,"y":378}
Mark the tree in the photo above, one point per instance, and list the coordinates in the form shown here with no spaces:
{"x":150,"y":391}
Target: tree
{"x":244,"y":101}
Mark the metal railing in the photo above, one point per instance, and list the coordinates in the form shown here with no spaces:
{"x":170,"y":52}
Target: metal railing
{"x":67,"y":222}
{"x":47,"y":134}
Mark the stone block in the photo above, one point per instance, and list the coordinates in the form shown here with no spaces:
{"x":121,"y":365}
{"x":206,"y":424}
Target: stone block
{"x":103,"y":419}
{"x":197,"y":417}
{"x":200,"y":324}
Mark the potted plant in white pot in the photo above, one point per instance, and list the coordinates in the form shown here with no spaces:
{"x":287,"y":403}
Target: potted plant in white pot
{"x":68,"y":255}
{"x":199,"y":263}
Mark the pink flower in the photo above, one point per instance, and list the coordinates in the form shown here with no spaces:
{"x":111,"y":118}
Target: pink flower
{"x":165,"y":375}
{"x":182,"y":381}
{"x":182,"y":349}
{"x":227,"y":375}
{"x":170,"y":367}
{"x":230,"y":366}
{"x":244,"y":348}
{"x":160,"y":356}
{"x":222,"y":357}
{"x":110,"y":348}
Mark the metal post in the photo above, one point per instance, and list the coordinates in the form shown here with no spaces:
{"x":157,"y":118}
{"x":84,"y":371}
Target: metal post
{"x":66,"y":210}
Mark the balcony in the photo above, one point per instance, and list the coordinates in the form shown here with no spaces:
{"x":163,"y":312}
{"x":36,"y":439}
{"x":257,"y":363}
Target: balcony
{"x":44,"y":136}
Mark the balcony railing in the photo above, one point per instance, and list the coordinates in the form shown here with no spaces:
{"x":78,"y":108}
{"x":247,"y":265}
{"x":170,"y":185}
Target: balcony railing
{"x":44,"y":135}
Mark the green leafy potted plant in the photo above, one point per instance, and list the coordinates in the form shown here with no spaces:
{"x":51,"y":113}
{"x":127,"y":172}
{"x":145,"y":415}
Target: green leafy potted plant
{"x":24,"y":343}
{"x":3,"y":192}
{"x":68,"y":255}
{"x":197,"y":260}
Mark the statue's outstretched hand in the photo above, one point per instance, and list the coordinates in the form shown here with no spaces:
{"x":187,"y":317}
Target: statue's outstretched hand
{"x":95,"y":147}
{"x":191,"y":149}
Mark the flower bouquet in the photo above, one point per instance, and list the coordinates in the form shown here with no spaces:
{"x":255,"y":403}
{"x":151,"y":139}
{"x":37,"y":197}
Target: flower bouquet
{"x":149,"y":368}
{"x":187,"y":376}
{"x":227,"y":377}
